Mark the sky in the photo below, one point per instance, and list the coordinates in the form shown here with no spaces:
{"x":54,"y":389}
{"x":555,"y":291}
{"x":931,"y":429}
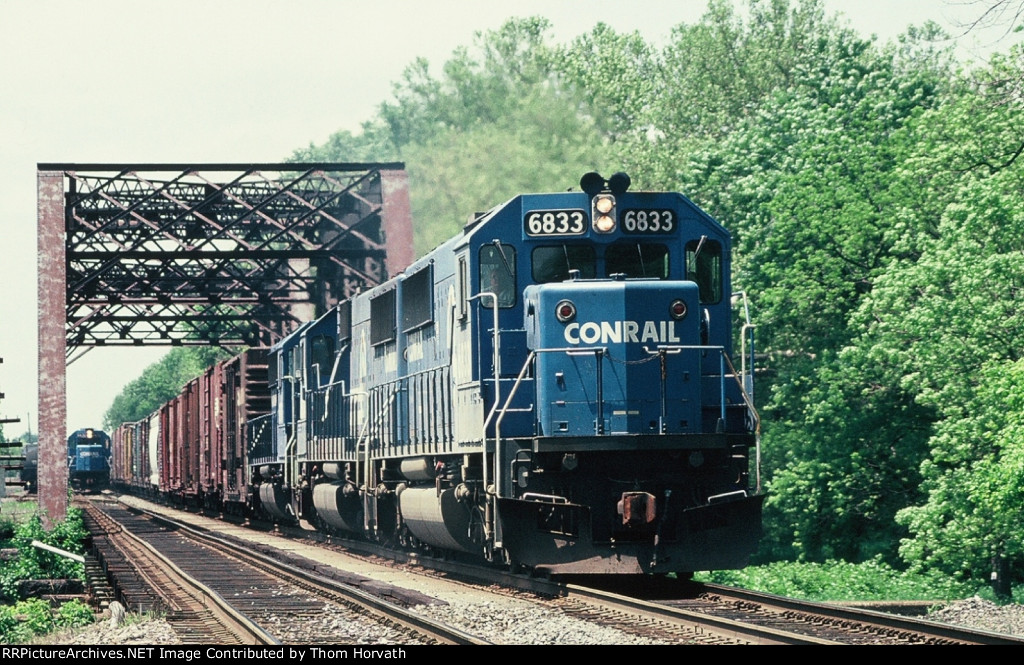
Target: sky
{"x":226,"y":81}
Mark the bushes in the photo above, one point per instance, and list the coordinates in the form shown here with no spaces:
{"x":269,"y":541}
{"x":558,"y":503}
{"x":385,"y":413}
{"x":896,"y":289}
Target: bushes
{"x":24,"y":620}
{"x":35,"y":563}
{"x":838,"y":580}
{"x":28,"y":618}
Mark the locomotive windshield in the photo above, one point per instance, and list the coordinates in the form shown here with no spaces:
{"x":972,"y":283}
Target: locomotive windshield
{"x":637,"y":260}
{"x":632,"y":259}
{"x":552,"y":264}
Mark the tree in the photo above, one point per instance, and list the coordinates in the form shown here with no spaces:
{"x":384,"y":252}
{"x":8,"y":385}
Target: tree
{"x":975,"y":484}
{"x":538,"y":146}
{"x":945,"y":324}
{"x":803,"y":171}
{"x":478,"y":87}
{"x":497,"y":123}
{"x":615,"y":78}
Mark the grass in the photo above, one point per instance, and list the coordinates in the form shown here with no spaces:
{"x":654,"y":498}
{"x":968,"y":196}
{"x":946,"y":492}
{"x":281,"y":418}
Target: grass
{"x":841,"y":581}
{"x":17,"y":509}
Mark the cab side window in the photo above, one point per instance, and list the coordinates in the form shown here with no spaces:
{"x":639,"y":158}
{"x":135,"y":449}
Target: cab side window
{"x":498,"y":274}
{"x":704,"y":266}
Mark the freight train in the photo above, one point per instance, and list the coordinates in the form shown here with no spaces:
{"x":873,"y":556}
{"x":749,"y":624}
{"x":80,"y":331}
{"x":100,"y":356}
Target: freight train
{"x":88,"y":460}
{"x":555,"y":388}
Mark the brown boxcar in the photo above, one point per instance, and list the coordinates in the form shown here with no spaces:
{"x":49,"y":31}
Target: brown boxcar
{"x":193,"y":449}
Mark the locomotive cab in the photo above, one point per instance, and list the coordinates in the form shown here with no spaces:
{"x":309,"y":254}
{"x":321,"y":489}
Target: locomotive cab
{"x":639,"y":458}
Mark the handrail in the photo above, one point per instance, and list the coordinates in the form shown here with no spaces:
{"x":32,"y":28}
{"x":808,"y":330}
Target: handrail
{"x":368,"y":485}
{"x":488,"y":511}
{"x":748,"y":400}
{"x":748,"y":377}
{"x":255,"y":429}
{"x":724,"y":361}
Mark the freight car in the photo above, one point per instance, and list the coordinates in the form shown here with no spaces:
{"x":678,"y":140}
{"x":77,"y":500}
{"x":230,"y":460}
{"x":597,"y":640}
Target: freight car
{"x":89,"y":458}
{"x":192,"y":450}
{"x":555,"y":387}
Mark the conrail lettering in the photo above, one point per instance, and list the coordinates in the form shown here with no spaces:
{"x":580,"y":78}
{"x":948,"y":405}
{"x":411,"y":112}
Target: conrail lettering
{"x":616,"y":332}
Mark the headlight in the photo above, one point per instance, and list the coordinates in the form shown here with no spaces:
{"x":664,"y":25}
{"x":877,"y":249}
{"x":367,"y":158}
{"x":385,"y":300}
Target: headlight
{"x":603,"y":213}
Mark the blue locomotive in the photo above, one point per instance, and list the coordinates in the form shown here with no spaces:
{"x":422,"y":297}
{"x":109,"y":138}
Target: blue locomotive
{"x":89,"y":457}
{"x":555,"y":387}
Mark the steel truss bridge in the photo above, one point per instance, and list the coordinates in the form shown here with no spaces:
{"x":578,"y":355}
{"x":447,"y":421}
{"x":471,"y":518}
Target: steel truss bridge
{"x":222,"y":254}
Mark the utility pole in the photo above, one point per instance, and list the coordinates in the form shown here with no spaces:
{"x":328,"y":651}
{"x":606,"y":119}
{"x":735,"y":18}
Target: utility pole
{"x":8,"y":462}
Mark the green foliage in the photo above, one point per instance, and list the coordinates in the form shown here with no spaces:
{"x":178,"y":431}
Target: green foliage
{"x":478,"y":87}
{"x":945,"y":324}
{"x":838,"y":580}
{"x":497,"y":122}
{"x":803,"y":174}
{"x":28,"y":618}
{"x":36,"y":563}
{"x":24,"y":620}
{"x":975,"y":483}
{"x":614,"y":77}
{"x":726,"y":69}
{"x":458,"y":172}
{"x":74,"y":614}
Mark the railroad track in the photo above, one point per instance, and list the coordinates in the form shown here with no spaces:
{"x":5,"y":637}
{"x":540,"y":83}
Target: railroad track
{"x":146,"y":580}
{"x":764,"y":618}
{"x":678,"y":611}
{"x":672,"y":611}
{"x":286,"y":603}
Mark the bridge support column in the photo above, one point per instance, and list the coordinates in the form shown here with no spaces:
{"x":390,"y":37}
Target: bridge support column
{"x":53,"y":472}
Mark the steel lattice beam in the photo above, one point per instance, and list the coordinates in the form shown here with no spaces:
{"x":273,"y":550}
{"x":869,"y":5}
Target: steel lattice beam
{"x":171,"y":254}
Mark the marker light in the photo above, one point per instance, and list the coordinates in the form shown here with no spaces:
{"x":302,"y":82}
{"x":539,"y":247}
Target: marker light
{"x":677,"y":309}
{"x":565,"y":311}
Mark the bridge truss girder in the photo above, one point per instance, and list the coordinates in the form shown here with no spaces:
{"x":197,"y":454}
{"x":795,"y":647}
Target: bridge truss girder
{"x":222,"y":254}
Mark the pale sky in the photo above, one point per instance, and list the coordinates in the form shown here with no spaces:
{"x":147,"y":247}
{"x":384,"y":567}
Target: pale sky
{"x":225,"y":81}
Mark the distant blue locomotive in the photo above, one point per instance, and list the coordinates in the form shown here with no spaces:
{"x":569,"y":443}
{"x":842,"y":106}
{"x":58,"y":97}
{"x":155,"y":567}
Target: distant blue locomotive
{"x":89,"y":458}
{"x":554,"y":387}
